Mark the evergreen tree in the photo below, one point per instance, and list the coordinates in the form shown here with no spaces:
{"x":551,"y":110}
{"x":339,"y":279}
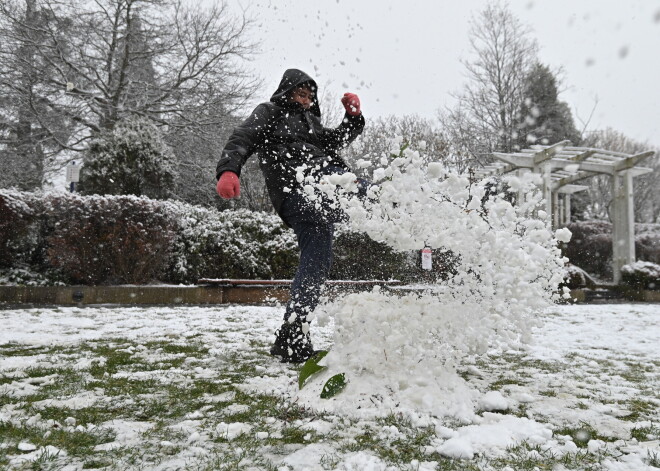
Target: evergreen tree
{"x":130,"y":159}
{"x":543,"y":119}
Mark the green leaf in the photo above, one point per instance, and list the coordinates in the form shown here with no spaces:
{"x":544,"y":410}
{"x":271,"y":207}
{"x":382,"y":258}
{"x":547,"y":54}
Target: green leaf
{"x":333,"y":386}
{"x":310,"y":368}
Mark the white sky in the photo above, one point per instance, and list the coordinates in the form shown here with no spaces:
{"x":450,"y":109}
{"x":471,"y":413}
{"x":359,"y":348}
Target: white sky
{"x":403,"y":57}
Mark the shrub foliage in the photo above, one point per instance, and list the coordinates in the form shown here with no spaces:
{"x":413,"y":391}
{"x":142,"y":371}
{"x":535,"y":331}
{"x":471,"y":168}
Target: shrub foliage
{"x":130,"y":159}
{"x":642,"y":275}
{"x":590,"y":247}
{"x":121,"y":239}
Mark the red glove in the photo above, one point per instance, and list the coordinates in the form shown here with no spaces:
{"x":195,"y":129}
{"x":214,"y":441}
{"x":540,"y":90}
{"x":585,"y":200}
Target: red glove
{"x":228,"y":185}
{"x":352,"y":103}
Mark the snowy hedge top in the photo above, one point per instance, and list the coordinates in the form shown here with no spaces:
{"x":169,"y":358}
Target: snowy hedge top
{"x":648,"y":269}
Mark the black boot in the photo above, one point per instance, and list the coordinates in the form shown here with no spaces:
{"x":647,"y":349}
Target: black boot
{"x":292,"y":345}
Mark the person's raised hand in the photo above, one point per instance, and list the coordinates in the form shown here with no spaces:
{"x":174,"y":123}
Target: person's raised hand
{"x":352,"y":103}
{"x":228,"y":185}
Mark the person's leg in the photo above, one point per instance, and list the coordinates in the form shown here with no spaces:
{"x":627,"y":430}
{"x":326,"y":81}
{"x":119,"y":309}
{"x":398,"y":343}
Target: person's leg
{"x":315,"y":237}
{"x":315,"y":243}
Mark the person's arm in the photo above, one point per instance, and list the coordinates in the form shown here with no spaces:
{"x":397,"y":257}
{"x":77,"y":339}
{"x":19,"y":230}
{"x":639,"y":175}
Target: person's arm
{"x":350,"y":128}
{"x":244,"y":140}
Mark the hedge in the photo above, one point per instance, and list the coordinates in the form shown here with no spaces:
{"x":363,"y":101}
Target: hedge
{"x":109,"y":239}
{"x":590,"y":247}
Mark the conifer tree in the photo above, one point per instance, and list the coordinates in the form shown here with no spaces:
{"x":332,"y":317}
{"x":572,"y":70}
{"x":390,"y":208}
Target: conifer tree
{"x":543,"y":118}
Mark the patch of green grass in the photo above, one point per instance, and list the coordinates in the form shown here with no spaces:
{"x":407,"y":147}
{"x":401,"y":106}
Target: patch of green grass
{"x":96,"y":463}
{"x":188,"y":349}
{"x":394,"y":420}
{"x":653,"y":458}
{"x":537,"y":364}
{"x":18,"y":350}
{"x":408,"y":446}
{"x":86,"y":415}
{"x":548,"y":393}
{"x":76,"y":443}
{"x":582,"y":433}
{"x":400,"y":451}
{"x":292,"y":434}
{"x":640,"y":409}
{"x":247,"y":458}
{"x":523,"y":457}
{"x":120,"y":386}
{"x":264,"y":405}
{"x":116,"y":358}
{"x":497,"y":385}
{"x":643,"y":434}
{"x":636,"y":372}
{"x":68,"y":381}
{"x":581,"y":460}
{"x":8,"y":379}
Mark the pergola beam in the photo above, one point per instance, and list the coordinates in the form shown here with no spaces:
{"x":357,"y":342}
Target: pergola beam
{"x":583,"y":155}
{"x":549,"y":152}
{"x":573,"y":178}
{"x":570,"y":189}
{"x":630,"y":162}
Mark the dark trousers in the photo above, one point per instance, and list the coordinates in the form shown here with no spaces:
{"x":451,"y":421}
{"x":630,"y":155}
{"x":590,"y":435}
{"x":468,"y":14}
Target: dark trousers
{"x":314,"y":230}
{"x":313,"y":224}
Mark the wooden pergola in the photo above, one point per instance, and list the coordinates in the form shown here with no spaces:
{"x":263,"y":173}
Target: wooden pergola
{"x":561,"y":167}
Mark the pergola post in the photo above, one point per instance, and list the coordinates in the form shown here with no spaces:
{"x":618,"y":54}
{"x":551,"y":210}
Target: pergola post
{"x":547,"y":188}
{"x":623,"y":223}
{"x":555,"y":210}
{"x":520,"y":197}
{"x":567,"y":209}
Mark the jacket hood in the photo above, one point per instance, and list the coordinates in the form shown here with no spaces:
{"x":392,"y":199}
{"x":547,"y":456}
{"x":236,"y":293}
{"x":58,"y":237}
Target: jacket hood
{"x":291,"y":79}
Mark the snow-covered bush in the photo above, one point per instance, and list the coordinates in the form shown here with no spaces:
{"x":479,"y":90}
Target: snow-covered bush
{"x":27,"y":277}
{"x":647,"y":242}
{"x":127,"y":239}
{"x":108,"y":239}
{"x":577,"y":278}
{"x":130,"y":159}
{"x":18,"y":227}
{"x":641,"y":275}
{"x":229,"y":244}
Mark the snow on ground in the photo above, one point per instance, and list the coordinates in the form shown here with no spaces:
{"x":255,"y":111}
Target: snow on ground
{"x":193,"y":388}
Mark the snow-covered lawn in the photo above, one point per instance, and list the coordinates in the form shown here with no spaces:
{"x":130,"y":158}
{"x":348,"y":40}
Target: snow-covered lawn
{"x":194,"y":388}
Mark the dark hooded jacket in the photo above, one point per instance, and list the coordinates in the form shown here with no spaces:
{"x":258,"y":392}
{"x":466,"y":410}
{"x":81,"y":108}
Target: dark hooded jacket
{"x":285,"y":136}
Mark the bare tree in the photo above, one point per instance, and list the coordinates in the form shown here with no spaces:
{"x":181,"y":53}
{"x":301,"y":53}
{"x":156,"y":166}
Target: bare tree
{"x":414,"y":131}
{"x":502,"y":52}
{"x":597,"y":203}
{"x":93,"y":63}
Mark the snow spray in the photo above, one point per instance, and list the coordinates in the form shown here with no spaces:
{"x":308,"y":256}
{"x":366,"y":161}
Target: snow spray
{"x":400,"y":350}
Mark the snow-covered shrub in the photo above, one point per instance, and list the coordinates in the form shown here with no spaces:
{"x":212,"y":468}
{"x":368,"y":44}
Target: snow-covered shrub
{"x":27,"y":277}
{"x":641,"y":275}
{"x":111,"y":239}
{"x":127,"y":239}
{"x":229,"y":244}
{"x":577,"y":278}
{"x":130,"y":159}
{"x":18,"y":227}
{"x":647,"y":242}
